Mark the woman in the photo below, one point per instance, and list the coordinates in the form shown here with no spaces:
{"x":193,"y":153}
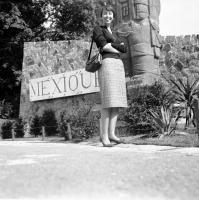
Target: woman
{"x":111,"y":77}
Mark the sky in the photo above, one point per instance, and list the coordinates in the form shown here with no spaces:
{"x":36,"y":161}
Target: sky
{"x":179,"y":17}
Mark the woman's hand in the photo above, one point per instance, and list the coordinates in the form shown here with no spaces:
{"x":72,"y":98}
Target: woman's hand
{"x":109,"y":48}
{"x":120,"y":47}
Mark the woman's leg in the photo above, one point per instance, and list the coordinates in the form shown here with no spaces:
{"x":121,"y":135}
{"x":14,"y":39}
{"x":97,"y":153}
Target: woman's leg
{"x":104,"y":125}
{"x":112,"y":123}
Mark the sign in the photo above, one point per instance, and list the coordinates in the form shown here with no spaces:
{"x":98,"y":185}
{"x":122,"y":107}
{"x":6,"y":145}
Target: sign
{"x":66,"y":84}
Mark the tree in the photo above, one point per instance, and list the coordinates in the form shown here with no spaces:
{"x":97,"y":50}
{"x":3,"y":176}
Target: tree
{"x":24,"y":21}
{"x":35,"y":126}
{"x":71,"y":19}
{"x":20,"y":21}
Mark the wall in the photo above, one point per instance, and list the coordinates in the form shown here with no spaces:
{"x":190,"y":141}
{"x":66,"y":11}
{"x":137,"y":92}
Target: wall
{"x":49,"y":58}
{"x":179,"y":44}
{"x":182,"y":40}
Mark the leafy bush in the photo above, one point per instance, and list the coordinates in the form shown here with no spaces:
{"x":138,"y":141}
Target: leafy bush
{"x":50,"y":122}
{"x":36,"y":126}
{"x":82,"y":123}
{"x":19,"y":128}
{"x":6,"y":130}
{"x":82,"y":128}
{"x":145,"y":98}
{"x":137,"y":116}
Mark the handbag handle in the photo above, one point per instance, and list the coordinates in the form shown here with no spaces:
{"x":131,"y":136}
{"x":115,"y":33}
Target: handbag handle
{"x":90,"y":49}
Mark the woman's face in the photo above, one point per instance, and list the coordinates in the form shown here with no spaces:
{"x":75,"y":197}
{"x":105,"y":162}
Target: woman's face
{"x":107,"y":16}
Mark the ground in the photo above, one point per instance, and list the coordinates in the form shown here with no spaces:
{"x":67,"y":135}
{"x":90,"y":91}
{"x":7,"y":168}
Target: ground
{"x":86,"y":170}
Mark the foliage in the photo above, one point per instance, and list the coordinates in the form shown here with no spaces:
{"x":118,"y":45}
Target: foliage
{"x":136,"y":116}
{"x":50,"y":122}
{"x":181,"y":58}
{"x":20,"y":21}
{"x":164,"y":119}
{"x":5,"y":109}
{"x":63,"y":126}
{"x":183,"y":76}
{"x":151,"y":109}
{"x":19,"y":128}
{"x":25,"y":21}
{"x":82,"y":123}
{"x":36,"y":126}
{"x":6,"y":130}
{"x":145,"y":98}
{"x":184,"y":89}
{"x":82,"y":128}
{"x":71,"y":19}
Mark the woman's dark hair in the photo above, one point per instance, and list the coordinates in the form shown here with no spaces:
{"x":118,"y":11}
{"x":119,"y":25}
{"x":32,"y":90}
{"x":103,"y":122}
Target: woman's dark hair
{"x":108,"y":8}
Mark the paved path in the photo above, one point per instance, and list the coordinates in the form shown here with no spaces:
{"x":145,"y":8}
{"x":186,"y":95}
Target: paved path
{"x":50,"y":170}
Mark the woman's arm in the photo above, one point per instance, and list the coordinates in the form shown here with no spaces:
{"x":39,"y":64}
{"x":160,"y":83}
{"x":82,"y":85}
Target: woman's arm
{"x":119,"y":44}
{"x":109,"y":48}
{"x":101,"y":41}
{"x":120,"y":47}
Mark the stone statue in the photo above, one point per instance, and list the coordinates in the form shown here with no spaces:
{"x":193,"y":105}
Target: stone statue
{"x":137,"y":21}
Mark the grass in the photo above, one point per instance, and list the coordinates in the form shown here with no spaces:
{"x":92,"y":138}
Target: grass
{"x":176,"y":140}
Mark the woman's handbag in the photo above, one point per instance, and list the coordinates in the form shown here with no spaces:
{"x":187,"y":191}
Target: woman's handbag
{"x":93,"y":63}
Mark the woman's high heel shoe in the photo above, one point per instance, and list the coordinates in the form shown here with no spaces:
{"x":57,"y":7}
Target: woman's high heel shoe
{"x":120,"y":141}
{"x":106,"y":145}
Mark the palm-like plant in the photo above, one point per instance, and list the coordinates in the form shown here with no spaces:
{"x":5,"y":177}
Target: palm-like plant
{"x":183,"y":76}
{"x":164,"y":119}
{"x":166,"y":116}
{"x":185,"y":88}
